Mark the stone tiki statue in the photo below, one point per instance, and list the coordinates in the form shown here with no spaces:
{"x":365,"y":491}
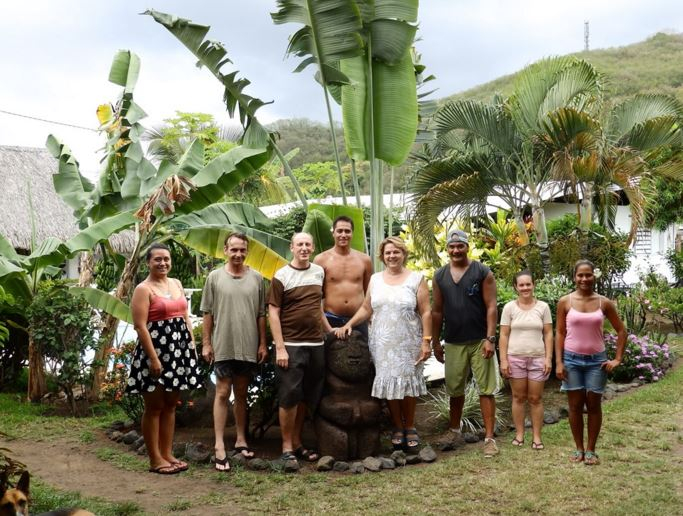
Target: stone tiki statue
{"x":348,"y":418}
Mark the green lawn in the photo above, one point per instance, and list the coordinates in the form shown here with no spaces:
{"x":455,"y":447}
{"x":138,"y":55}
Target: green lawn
{"x":641,"y":448}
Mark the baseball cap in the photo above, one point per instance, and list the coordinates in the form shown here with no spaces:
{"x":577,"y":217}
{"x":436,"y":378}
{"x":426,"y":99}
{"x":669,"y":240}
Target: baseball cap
{"x":458,"y":235}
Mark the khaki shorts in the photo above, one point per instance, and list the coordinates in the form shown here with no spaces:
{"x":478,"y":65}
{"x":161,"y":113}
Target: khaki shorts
{"x":460,"y":359}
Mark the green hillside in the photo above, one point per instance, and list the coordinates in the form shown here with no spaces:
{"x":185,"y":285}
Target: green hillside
{"x":651,"y":66}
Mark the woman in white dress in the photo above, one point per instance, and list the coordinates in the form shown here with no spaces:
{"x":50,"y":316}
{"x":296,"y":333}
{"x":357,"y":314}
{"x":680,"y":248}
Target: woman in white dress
{"x":398,"y":301}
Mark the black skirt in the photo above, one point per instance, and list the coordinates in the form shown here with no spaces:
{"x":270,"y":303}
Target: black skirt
{"x":179,"y":368}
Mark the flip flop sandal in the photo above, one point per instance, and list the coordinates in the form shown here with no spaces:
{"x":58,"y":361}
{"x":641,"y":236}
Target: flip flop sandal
{"x":307,"y":455}
{"x":287,"y":456}
{"x":517,"y":442}
{"x":412,"y":436}
{"x":576,"y":456}
{"x":591,"y":458}
{"x":398,"y":439}
{"x":165,"y":470}
{"x":180,"y":465}
{"x":245,"y":451}
{"x":537,"y":445}
{"x":224,"y":463}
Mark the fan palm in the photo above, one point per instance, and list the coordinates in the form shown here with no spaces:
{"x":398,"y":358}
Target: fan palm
{"x":495,"y":153}
{"x":598,"y":157}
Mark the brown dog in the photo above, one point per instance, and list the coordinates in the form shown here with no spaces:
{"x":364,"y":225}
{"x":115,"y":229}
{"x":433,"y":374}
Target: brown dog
{"x":14,"y":501}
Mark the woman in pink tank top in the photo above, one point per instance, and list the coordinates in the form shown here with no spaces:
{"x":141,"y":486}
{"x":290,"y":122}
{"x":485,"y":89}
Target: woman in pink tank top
{"x":581,"y":361}
{"x":165,"y":361}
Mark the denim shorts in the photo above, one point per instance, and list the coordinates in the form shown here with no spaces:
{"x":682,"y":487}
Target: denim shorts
{"x":584,"y":372}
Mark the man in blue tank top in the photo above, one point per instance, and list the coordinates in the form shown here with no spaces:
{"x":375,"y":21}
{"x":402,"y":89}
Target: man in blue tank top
{"x":464,"y":298}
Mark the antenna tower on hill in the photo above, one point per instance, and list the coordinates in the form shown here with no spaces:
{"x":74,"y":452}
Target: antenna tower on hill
{"x":586,"y":36}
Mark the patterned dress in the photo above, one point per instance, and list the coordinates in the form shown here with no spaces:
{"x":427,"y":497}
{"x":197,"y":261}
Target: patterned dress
{"x":396,"y":338}
{"x":173,"y":345}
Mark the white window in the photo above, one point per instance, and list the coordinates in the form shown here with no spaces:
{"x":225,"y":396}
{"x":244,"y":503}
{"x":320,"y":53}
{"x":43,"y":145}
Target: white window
{"x":643,"y":244}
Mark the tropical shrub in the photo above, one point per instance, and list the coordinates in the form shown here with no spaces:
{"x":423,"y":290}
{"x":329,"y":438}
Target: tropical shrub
{"x":606,"y":249}
{"x":675,"y":260}
{"x":633,"y":307}
{"x":63,"y":330}
{"x":668,"y":303}
{"x":439,"y":409}
{"x":113,"y":388}
{"x":13,"y":341}
{"x":549,"y":289}
{"x":644,"y":360}
{"x":286,"y":225}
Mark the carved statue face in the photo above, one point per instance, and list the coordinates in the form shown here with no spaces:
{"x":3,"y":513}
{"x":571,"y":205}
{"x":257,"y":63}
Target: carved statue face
{"x":349,"y":359}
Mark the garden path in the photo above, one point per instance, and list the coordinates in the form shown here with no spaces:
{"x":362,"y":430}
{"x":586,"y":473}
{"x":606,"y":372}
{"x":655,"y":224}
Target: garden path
{"x":73,"y":466}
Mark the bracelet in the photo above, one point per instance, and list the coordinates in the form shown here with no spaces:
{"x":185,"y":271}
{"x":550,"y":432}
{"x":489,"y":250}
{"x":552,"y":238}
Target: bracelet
{"x":427,"y":337}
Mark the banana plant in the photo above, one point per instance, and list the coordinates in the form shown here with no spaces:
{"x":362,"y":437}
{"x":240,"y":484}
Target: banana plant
{"x":213,"y":56}
{"x":373,"y":77}
{"x":330,"y":33}
{"x":379,"y":106}
{"x":21,"y":275}
{"x":173,"y":200}
{"x":319,"y":224}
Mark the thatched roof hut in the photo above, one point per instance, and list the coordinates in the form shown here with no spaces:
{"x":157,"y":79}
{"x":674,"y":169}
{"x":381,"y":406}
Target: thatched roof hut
{"x":26,"y":182}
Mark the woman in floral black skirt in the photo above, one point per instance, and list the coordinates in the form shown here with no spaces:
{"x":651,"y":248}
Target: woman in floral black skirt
{"x":165,"y":359}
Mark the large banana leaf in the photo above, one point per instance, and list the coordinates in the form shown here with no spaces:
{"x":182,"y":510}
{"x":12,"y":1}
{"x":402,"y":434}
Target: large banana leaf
{"x":104,"y":302}
{"x":213,"y":56}
{"x":331,"y":212}
{"x":395,"y":109}
{"x":125,"y":70}
{"x":50,"y":251}
{"x":69,"y":184}
{"x":13,"y":279}
{"x":379,"y":107}
{"x":222,"y":174}
{"x":223,"y":213}
{"x":331,"y":32}
{"x":102,"y":230}
{"x":7,"y":268}
{"x":319,"y":226}
{"x":205,"y":231}
{"x":7,"y":250}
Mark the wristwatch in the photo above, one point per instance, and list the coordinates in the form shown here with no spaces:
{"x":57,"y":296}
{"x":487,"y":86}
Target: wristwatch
{"x":491,"y":339}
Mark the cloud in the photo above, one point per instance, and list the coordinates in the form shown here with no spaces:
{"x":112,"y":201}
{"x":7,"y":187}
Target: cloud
{"x":57,"y":54}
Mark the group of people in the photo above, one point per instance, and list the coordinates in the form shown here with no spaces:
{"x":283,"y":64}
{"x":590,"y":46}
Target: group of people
{"x":337,"y":293}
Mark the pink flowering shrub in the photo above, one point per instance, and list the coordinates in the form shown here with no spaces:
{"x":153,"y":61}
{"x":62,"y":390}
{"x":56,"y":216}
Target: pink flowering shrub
{"x":644,"y":359}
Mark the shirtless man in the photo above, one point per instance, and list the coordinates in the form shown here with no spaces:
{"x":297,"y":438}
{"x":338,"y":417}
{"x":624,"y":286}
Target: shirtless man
{"x":347,"y":274}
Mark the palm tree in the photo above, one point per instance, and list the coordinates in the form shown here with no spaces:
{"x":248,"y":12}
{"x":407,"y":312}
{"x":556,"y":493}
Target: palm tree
{"x":619,"y":150}
{"x":497,"y":152}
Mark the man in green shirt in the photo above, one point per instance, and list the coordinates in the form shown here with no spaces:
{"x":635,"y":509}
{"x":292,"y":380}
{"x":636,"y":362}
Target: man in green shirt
{"x":233,"y":338}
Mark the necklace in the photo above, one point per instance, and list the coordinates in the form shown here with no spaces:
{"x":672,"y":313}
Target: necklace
{"x":166,"y":293}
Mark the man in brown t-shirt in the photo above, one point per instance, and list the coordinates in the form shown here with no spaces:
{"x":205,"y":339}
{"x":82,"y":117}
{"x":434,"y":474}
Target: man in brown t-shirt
{"x":296,"y":322}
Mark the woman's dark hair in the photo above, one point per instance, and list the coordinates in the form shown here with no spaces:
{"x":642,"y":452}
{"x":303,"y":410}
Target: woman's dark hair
{"x":583,"y":262}
{"x":154,"y":247}
{"x":525,"y":272}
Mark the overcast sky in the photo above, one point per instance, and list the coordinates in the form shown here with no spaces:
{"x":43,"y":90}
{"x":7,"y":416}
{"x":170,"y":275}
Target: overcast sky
{"x":56,"y":55}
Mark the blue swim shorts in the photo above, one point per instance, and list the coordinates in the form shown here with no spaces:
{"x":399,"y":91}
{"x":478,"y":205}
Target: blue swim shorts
{"x":584,"y":372}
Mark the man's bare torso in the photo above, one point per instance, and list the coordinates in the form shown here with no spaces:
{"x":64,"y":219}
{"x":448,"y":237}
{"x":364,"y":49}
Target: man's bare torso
{"x":345,"y":280}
